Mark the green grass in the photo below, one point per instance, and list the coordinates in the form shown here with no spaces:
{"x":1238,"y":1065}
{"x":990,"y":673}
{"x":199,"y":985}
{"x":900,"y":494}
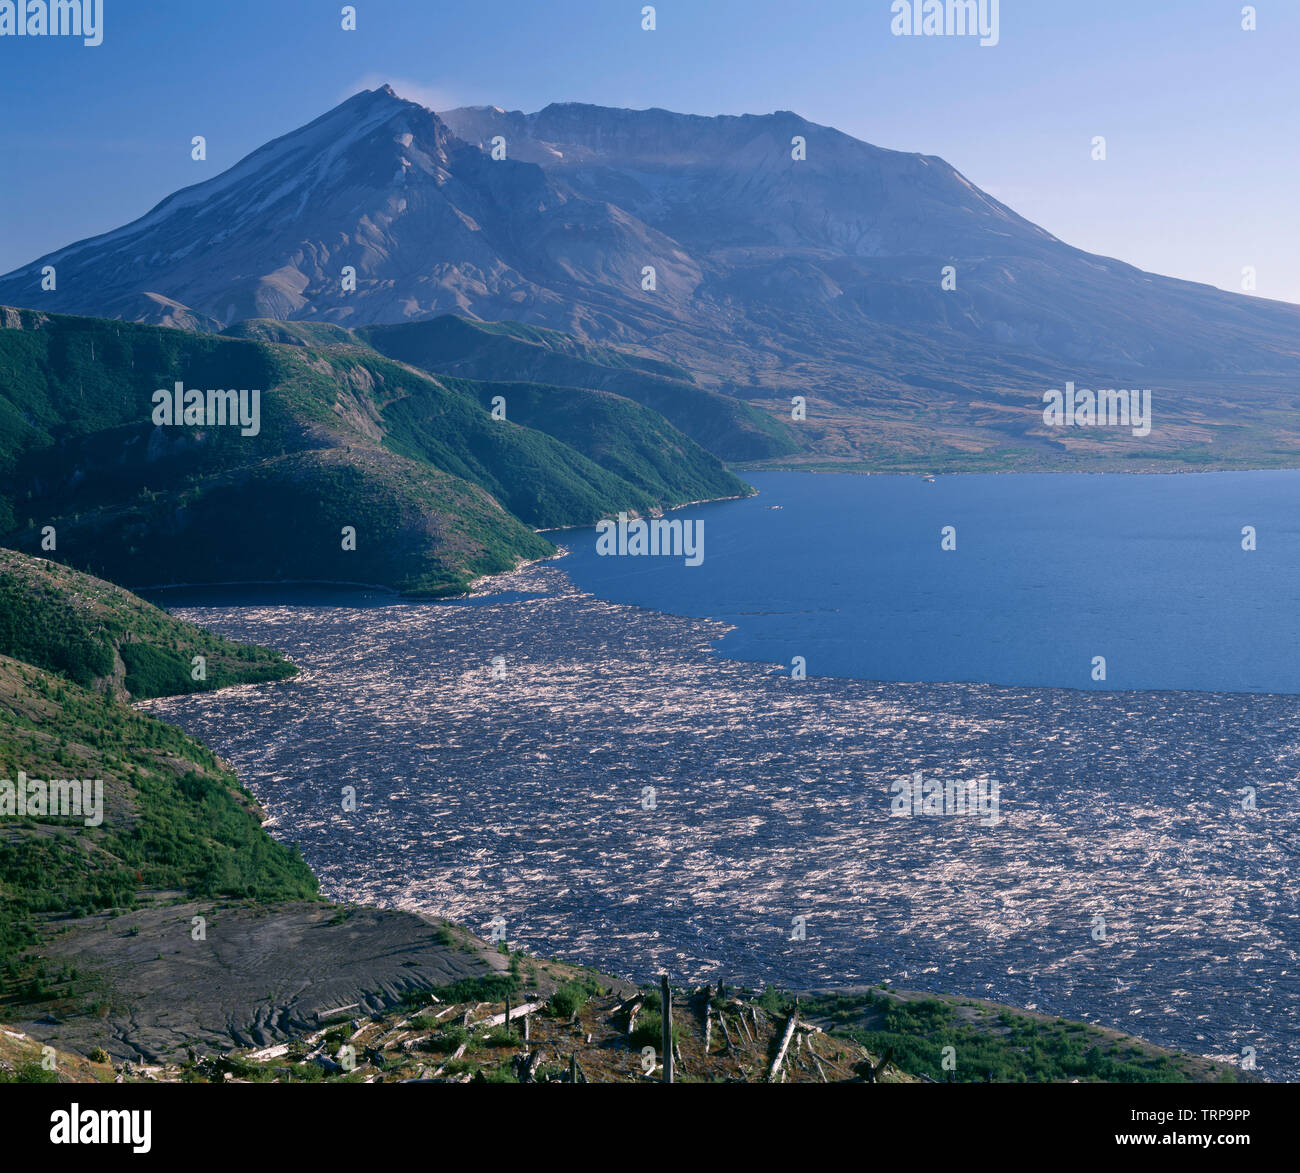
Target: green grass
{"x":447,"y":1041}
{"x":29,"y":1073}
{"x":490,"y":988}
{"x":1008,"y":1048}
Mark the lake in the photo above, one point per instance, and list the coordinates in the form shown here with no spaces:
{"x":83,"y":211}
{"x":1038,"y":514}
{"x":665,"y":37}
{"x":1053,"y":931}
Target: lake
{"x":1048,"y":572}
{"x":570,"y":752}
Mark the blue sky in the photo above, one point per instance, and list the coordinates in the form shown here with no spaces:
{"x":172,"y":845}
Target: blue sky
{"x":1199,"y":115}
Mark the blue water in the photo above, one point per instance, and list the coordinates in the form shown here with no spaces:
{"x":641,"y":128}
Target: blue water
{"x":1049,"y":572}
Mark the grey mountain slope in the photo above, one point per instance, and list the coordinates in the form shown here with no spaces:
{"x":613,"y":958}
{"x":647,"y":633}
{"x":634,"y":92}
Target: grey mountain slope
{"x":857,"y":233}
{"x":430,"y":224}
{"x":774,"y":276}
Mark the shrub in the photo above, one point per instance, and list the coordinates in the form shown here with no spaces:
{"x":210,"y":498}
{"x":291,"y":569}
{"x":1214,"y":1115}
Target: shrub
{"x":446,"y":1041}
{"x":29,"y":1073}
{"x":567,"y":1000}
{"x":650,"y":1031}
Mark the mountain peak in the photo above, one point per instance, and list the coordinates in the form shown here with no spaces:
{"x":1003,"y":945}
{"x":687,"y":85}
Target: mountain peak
{"x":380,"y":96}
{"x":760,"y":249}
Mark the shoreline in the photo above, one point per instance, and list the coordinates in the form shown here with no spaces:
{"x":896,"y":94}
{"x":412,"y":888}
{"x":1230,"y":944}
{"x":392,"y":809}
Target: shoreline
{"x":825,"y":470}
{"x":561,"y":529}
{"x":270,"y":582}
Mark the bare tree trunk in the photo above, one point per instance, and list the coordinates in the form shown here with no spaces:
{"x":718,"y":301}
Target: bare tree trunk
{"x":666,"y":1009}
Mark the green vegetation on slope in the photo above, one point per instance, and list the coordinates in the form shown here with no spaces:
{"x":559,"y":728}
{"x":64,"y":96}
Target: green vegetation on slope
{"x":617,"y":434}
{"x":435,"y":491}
{"x":291,"y":333}
{"x":173,"y":817}
{"x":510,"y":352}
{"x":994,"y":1044}
{"x":416,"y":529}
{"x":76,"y":625}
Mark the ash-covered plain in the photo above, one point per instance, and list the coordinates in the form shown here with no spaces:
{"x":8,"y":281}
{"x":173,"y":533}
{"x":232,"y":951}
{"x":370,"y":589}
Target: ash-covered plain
{"x":1127,"y":883}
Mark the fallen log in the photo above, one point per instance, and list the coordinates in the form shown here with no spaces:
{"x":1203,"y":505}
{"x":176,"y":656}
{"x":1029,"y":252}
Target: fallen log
{"x":337,"y":1012}
{"x":459,"y":1052}
{"x":268,"y":1053}
{"x":785,"y":1046}
{"x":515,"y":1012}
{"x":871,"y":1072}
